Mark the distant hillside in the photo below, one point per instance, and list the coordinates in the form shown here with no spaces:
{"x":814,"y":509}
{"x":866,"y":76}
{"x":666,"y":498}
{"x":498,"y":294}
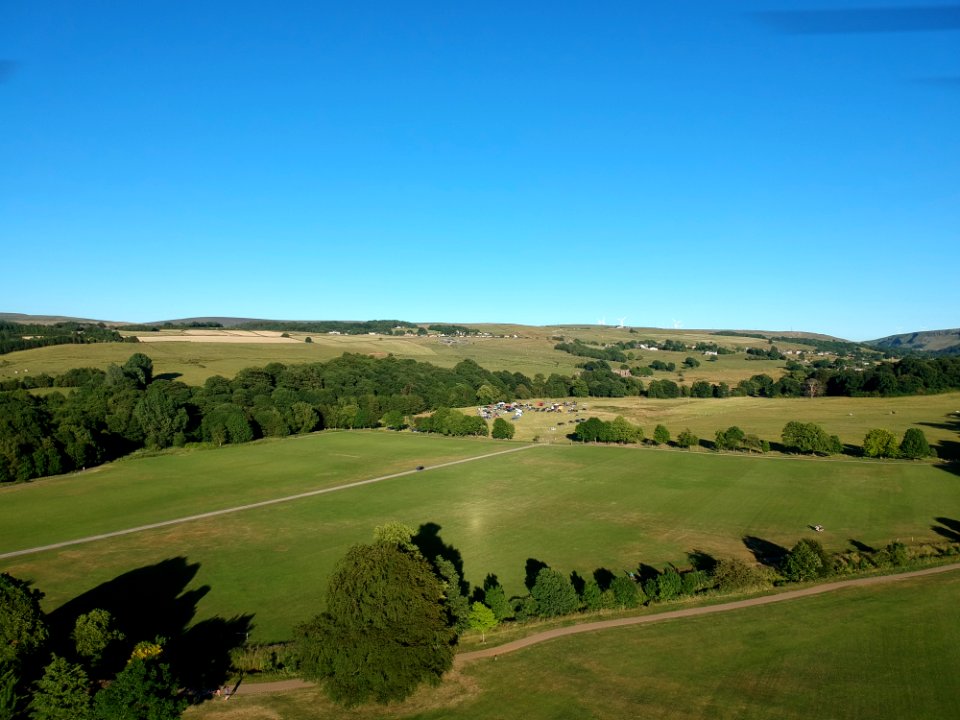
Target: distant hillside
{"x":940,"y":342}
{"x":50,"y":319}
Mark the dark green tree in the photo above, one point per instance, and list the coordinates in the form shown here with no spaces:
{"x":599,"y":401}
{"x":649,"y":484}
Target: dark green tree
{"x":661,"y":435}
{"x":92,"y":634}
{"x":502,"y":430}
{"x":914,"y":444}
{"x":385,"y":630}
{"x":63,"y":693}
{"x":23,"y":630}
{"x":554,"y":593}
{"x":145,"y":688}
{"x":496,"y":599}
{"x":807,"y":560}
{"x":9,"y":699}
{"x":687,"y":439}
{"x":139,"y":368}
{"x":626,"y":591}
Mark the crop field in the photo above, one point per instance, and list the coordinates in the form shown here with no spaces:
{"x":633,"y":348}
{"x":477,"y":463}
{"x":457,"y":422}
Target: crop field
{"x":849,"y":418}
{"x":574,"y":507}
{"x":192,"y":356}
{"x":886,"y":652}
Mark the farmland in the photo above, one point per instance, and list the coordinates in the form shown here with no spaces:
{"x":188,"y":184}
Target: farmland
{"x":574,"y":507}
{"x":192,"y":356}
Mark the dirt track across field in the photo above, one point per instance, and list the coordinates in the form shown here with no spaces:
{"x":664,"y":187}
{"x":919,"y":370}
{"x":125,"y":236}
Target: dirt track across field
{"x":468,"y":657}
{"x":251,"y":506}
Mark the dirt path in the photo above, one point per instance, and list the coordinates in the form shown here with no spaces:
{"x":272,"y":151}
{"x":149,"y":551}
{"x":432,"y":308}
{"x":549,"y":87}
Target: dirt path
{"x":252,"y":506}
{"x":467,"y":657}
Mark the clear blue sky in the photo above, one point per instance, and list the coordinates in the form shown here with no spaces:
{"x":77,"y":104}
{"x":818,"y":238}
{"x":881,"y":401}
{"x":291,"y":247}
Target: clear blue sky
{"x":676,"y":163}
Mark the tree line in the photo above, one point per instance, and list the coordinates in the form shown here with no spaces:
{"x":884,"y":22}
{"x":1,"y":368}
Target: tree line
{"x":396,"y":607}
{"x":17,"y":336}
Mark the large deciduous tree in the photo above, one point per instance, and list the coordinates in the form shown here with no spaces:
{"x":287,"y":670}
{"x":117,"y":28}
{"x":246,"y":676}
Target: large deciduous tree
{"x":385,"y":629}
{"x":22,"y":627}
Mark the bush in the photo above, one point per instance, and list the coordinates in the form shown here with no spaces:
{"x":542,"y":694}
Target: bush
{"x":880,"y":443}
{"x":687,"y":439}
{"x":502,"y":430}
{"x":661,"y":436}
{"x":914,"y":445}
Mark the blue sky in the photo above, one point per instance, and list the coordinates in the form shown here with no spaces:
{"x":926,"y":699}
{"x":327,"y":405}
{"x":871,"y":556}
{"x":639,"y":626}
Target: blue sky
{"x":677,"y":163}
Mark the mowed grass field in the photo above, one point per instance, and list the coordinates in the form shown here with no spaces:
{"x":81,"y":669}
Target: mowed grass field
{"x":885,"y":652}
{"x":192,"y":360}
{"x":573,"y":507}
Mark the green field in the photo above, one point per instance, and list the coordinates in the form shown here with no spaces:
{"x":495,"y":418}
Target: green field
{"x":576,"y":508}
{"x":885,"y":652}
{"x":530,"y":352}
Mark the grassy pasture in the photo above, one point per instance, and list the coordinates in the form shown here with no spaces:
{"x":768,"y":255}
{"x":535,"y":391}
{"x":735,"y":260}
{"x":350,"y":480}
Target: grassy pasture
{"x":850,"y":418}
{"x":574,"y":507}
{"x":194,"y":360}
{"x":881,"y":652}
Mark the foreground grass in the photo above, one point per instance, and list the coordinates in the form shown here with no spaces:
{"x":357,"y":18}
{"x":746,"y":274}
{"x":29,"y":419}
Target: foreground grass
{"x":574,"y":507}
{"x":877,"y":652}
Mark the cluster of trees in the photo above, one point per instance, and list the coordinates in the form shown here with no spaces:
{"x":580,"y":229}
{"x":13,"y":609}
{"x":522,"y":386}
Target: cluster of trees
{"x":617,"y":430}
{"x":733,"y":438}
{"x":344,"y":327}
{"x":91,"y":673}
{"x":452,"y":422}
{"x":113,"y":412}
{"x":582,"y":349}
{"x":880,"y":443}
{"x":18,"y":336}
{"x":809,"y":438}
{"x":770,"y":353}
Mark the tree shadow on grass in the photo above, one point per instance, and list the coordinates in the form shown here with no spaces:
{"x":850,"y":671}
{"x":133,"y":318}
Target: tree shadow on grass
{"x":700,"y":560}
{"x":948,"y":528}
{"x":765,"y":552}
{"x":947,"y":449}
{"x":862,"y":547}
{"x":532,"y":568}
{"x":432,"y":546}
{"x":151,"y":602}
{"x":603,"y":577}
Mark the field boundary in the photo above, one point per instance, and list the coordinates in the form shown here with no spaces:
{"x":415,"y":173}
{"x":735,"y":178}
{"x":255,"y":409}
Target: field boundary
{"x":251,"y":506}
{"x":537,"y":638}
{"x":467,"y":657}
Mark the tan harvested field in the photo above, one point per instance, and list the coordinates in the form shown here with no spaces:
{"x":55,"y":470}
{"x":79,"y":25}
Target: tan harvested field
{"x":225,"y":336}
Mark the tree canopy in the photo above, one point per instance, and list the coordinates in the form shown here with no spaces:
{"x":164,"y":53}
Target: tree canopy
{"x":385,"y":629}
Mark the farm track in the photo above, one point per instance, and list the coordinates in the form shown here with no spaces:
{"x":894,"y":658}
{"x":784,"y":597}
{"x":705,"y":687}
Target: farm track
{"x":468,"y":657}
{"x":250,"y":506}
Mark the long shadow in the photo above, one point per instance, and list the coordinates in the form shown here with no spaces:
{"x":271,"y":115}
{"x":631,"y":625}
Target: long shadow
{"x":765,"y":552}
{"x":531,"y":569}
{"x":603,"y":577}
{"x":948,"y":528}
{"x":429,"y":542}
{"x":947,"y":449}
{"x":578,"y":582}
{"x":700,"y":560}
{"x":862,"y":547}
{"x":151,"y":602}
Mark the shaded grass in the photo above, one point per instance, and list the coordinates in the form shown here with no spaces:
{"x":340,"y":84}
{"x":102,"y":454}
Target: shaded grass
{"x":576,"y":508}
{"x":878,"y":652}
